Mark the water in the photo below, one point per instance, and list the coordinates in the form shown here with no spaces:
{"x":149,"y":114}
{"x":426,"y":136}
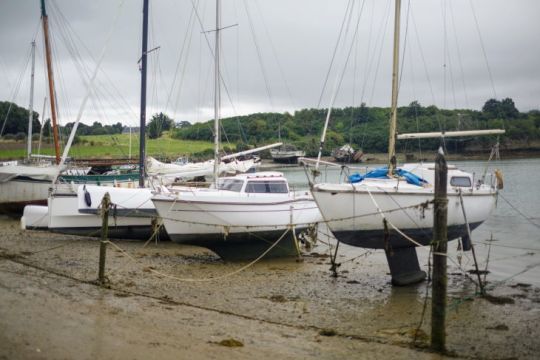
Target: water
{"x":514,"y":226}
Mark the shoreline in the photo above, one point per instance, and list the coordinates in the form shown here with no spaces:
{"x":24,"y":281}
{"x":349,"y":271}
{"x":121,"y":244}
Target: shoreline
{"x":370,"y":158}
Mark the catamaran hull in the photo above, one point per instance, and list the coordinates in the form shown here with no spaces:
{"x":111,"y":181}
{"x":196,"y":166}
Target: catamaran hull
{"x":65,"y":218}
{"x":15,"y":194}
{"x":35,"y":217}
{"x":237,"y":231}
{"x":354,"y":219}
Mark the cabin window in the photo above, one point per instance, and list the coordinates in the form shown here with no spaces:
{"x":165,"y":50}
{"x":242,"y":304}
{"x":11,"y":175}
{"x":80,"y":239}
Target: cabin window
{"x":231,"y":185}
{"x":461,"y":181}
{"x":273,"y":187}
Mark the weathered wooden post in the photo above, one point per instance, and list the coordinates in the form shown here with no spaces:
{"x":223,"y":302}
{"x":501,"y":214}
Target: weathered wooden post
{"x":440,"y":242}
{"x":105,"y":204}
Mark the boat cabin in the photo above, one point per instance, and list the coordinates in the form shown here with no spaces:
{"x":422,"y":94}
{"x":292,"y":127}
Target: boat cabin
{"x":456,"y":177}
{"x":256,"y":183}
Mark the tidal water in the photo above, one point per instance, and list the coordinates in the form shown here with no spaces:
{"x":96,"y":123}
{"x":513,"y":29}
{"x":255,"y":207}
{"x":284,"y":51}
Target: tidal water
{"x":508,"y":242}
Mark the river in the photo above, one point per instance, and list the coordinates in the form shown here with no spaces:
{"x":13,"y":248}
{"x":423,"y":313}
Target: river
{"x":509,"y":241}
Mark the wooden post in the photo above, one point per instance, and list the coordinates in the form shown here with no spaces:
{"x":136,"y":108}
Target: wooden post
{"x":105,"y":204}
{"x":440,"y":242}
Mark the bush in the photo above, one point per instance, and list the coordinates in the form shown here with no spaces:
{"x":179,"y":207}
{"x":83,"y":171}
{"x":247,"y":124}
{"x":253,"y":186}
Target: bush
{"x":20,"y":136}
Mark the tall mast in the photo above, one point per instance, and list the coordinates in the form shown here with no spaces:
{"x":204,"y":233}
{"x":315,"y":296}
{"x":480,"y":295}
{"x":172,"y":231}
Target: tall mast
{"x":217,"y":94}
{"x":395,"y":79}
{"x":42,"y":125}
{"x":142,"y":150}
{"x":31,"y":105}
{"x":52,"y":95}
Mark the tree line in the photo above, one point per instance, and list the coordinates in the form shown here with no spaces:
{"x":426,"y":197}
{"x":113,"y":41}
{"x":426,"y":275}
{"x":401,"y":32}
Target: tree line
{"x":14,"y":121}
{"x":366,"y":127}
{"x":363,"y":127}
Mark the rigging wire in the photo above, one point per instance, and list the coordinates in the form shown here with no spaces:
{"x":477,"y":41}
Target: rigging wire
{"x":484,"y":53}
{"x":71,"y":38}
{"x":460,"y":61}
{"x":16,"y":89}
{"x":221,"y":77}
{"x":180,"y":57}
{"x":336,"y":46}
{"x":382,"y":34}
{"x":337,"y":84}
{"x":379,"y":42}
{"x":19,"y":81}
{"x":274,"y":53}
{"x":259,"y":55}
{"x":107,"y":90}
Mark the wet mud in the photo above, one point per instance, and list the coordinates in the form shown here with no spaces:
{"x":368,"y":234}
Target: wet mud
{"x":177,"y":301}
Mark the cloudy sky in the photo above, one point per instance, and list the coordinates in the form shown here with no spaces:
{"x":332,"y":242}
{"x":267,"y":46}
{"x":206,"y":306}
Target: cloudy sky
{"x":276,"y":54}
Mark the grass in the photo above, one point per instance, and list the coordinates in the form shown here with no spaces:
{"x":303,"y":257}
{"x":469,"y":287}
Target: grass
{"x":111,"y":146}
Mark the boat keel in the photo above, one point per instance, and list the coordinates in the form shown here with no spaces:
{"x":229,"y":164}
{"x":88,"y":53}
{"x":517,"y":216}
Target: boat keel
{"x":404,"y":266}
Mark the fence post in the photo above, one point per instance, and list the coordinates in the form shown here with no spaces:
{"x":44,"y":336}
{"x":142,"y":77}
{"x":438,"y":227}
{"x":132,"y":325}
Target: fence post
{"x":440,"y":242}
{"x":105,"y":204}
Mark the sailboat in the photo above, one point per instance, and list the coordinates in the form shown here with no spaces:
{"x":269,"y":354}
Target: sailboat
{"x":25,"y":184}
{"x":229,"y":164}
{"x":24,"y":188}
{"x":391,"y":208}
{"x":75,"y":208}
{"x":246,"y":216}
{"x":287,"y":154}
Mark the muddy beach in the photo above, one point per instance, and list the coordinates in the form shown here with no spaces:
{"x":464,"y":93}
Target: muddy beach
{"x":170,"y":301}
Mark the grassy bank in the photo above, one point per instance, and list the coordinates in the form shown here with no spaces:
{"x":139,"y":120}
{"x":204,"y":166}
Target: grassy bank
{"x":117,"y":146}
{"x":107,"y":146}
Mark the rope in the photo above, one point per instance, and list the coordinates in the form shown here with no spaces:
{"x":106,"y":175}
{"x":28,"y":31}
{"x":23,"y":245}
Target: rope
{"x":388,"y":221}
{"x":424,"y":306}
{"x":158,"y":273}
{"x":519,"y":212}
{"x":507,"y":246}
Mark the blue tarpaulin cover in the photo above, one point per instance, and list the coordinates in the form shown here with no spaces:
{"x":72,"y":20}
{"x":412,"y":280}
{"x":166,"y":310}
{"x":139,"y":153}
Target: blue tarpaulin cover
{"x":382,"y":173}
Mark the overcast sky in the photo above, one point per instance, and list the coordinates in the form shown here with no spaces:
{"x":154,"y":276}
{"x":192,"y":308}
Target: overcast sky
{"x":276,"y":54}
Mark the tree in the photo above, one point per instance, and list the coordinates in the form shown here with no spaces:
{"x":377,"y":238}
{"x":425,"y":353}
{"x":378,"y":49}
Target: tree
{"x":505,"y":109}
{"x":414,"y":109}
{"x":47,"y":130}
{"x":16,"y":119}
{"x":183,"y":124}
{"x":159,"y":123}
{"x":509,"y":109}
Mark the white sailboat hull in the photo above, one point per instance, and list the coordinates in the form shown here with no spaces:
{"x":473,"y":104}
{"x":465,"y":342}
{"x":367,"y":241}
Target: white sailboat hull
{"x":236,"y":225}
{"x":353,"y":215}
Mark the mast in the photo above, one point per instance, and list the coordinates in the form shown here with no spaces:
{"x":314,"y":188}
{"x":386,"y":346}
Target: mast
{"x":52,"y":96}
{"x":217,"y":94}
{"x":31,"y":105}
{"x":395,"y":79}
{"x":42,"y":125}
{"x":142,"y":150}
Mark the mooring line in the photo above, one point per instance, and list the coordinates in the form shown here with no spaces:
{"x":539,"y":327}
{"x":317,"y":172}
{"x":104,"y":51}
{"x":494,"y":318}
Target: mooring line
{"x":160,"y":274}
